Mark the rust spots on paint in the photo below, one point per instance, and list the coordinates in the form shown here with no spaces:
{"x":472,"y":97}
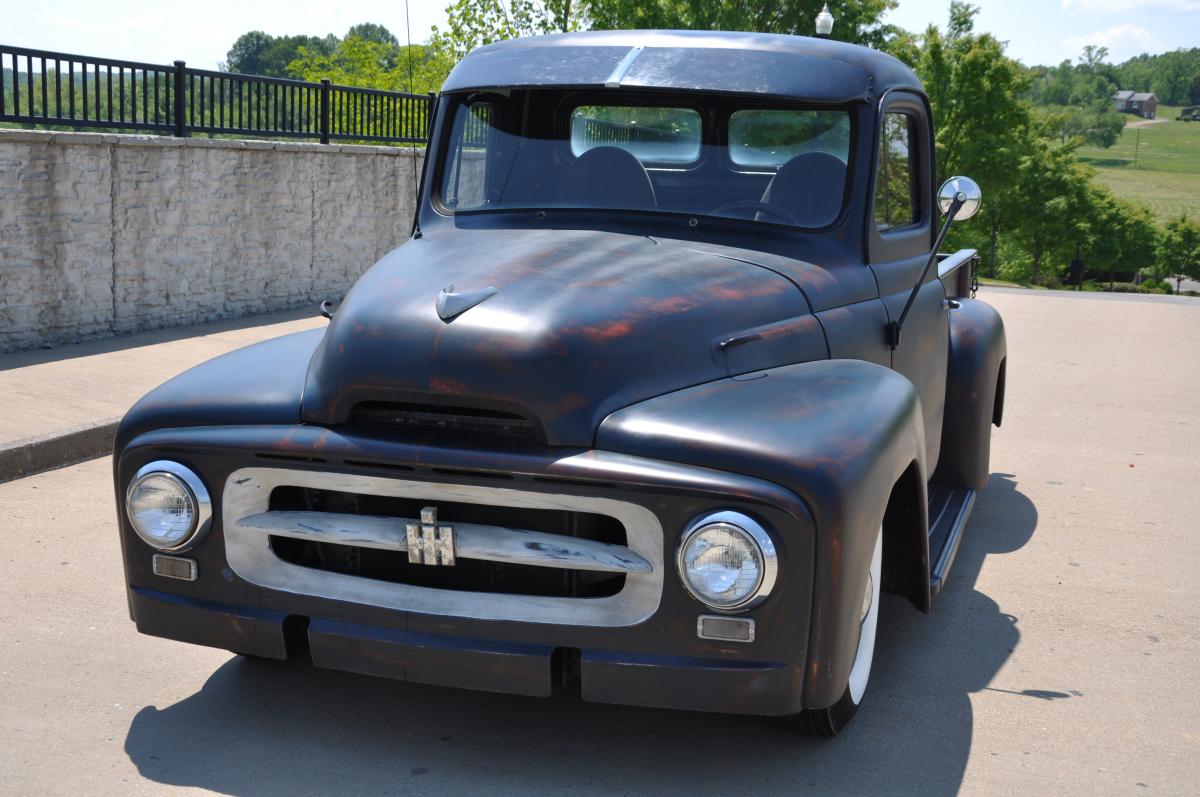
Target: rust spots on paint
{"x":607,"y":332}
{"x":669,"y":306}
{"x":750,"y":289}
{"x":564,"y":406}
{"x":788,"y":327}
{"x":446,"y":385}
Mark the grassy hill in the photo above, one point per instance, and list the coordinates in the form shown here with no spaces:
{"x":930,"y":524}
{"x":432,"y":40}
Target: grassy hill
{"x":1167,"y":172}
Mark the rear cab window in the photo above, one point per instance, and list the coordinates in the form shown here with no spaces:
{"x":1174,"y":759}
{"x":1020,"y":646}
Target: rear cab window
{"x":767,"y":139}
{"x":669,"y":136}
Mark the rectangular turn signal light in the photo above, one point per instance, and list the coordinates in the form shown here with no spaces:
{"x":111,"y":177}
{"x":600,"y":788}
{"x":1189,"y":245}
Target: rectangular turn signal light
{"x":174,"y":567}
{"x":726,"y":629}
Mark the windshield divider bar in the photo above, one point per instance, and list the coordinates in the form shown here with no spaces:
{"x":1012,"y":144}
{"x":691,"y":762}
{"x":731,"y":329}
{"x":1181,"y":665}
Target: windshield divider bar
{"x":618,"y":74}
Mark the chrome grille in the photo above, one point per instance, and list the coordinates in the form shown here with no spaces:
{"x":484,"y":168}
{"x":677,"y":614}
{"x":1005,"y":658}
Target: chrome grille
{"x":263,"y":546}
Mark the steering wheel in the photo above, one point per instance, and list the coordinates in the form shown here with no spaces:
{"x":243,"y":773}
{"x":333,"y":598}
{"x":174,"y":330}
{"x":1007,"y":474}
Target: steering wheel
{"x":761,"y":207}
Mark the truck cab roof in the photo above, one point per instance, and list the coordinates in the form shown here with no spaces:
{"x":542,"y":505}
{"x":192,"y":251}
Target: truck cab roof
{"x":817,"y":70}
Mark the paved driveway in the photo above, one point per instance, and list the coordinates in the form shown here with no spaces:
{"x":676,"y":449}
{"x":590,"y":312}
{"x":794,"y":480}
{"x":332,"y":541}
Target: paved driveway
{"x":1062,"y":657}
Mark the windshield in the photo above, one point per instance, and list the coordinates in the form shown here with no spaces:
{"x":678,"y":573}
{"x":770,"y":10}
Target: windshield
{"x":547,"y":149}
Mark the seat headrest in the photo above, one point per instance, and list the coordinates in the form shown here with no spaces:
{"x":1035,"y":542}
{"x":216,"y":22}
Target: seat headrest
{"x":810,"y":187}
{"x":607,"y":177}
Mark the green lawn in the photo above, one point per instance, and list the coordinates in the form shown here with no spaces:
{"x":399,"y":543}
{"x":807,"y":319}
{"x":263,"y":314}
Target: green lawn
{"x":1171,"y":146}
{"x":1167,"y":172}
{"x":1167,"y":194}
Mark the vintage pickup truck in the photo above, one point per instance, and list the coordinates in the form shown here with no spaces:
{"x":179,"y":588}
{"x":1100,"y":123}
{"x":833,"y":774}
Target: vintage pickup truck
{"x":668,"y":383}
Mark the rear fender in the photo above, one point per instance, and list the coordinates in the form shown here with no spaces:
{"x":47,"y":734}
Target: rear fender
{"x":837,"y":433}
{"x":974,"y":394}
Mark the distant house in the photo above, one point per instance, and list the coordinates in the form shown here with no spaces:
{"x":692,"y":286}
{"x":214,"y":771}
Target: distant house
{"x":1142,"y":103}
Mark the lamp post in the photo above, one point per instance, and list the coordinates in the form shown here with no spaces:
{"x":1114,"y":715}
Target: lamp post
{"x":824,"y":23}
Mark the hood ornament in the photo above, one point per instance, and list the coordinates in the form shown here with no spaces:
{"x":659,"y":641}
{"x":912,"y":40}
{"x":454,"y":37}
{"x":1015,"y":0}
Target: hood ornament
{"x":451,"y":305}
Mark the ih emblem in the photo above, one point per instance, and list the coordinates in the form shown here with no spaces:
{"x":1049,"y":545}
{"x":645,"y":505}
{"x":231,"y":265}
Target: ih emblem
{"x":428,"y":542}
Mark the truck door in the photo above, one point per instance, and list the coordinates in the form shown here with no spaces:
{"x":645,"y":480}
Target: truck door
{"x":900,"y":234}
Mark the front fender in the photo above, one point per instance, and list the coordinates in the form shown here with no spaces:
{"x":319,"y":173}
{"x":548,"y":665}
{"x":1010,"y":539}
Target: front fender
{"x":838,"y":433}
{"x":255,"y":385}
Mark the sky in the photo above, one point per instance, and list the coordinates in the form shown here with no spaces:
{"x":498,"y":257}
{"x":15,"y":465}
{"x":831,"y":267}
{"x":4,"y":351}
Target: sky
{"x":1050,"y":31}
{"x":1037,"y":31}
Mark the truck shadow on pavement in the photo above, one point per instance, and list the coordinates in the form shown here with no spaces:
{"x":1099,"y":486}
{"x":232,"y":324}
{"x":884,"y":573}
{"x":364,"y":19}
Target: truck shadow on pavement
{"x":268,"y":727}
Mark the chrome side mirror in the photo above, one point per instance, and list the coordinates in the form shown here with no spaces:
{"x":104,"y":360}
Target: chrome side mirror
{"x":971,"y":196}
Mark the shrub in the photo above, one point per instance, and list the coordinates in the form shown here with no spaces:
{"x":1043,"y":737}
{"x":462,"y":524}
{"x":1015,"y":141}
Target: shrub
{"x":1166,"y":287}
{"x":1092,"y":285}
{"x":1149,"y":285}
{"x":1120,"y":287}
{"x":1014,"y":271}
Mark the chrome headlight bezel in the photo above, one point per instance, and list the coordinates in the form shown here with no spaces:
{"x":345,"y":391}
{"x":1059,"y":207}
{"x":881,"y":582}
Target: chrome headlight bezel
{"x":192,"y":486}
{"x":753,"y":532}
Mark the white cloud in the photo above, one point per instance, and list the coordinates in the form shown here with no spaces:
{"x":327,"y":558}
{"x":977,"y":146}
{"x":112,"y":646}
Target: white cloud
{"x":1116,"y":6}
{"x":1122,"y":41}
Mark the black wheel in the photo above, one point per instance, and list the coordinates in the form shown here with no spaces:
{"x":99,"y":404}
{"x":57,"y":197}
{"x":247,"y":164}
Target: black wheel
{"x":822,"y":721}
{"x":830,"y":721}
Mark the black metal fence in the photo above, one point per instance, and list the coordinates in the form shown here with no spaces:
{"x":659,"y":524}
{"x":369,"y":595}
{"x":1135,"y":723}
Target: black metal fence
{"x":42,"y":88}
{"x":600,"y":131}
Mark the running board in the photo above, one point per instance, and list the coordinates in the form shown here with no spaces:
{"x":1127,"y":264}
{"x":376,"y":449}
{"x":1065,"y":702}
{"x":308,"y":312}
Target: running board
{"x":949,"y":509}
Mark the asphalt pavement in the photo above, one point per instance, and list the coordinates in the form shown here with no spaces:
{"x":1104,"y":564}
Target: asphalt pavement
{"x":1062,"y":657}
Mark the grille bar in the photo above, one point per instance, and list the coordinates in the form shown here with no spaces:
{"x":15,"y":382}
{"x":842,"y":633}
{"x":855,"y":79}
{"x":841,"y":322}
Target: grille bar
{"x":471,"y":540}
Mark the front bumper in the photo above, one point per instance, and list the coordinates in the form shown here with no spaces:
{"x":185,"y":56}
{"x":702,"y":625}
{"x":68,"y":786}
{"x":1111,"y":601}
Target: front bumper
{"x":605,"y":676}
{"x":657,"y":661}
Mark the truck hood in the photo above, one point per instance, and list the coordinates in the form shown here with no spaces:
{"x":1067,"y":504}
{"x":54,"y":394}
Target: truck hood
{"x":581,"y":324}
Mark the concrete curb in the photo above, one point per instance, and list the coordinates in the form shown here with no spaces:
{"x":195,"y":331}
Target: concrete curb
{"x":56,"y":450}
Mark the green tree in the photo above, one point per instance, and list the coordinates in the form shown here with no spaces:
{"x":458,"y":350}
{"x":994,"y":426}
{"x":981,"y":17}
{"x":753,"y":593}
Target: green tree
{"x":1077,"y":98}
{"x":1051,"y":198}
{"x":246,"y":54}
{"x":371,"y":32}
{"x":984,"y":126}
{"x":1170,"y":75}
{"x":258,"y":53}
{"x":371,"y":64}
{"x":858,"y":21}
{"x":1179,"y":250}
{"x":1120,"y":235}
{"x":472,"y":23}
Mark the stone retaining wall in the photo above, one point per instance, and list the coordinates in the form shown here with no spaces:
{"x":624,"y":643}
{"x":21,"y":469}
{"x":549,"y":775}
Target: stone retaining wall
{"x":105,"y":234}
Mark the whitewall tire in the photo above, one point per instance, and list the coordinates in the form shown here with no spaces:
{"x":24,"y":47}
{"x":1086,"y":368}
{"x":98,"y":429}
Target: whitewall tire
{"x":829,"y":721}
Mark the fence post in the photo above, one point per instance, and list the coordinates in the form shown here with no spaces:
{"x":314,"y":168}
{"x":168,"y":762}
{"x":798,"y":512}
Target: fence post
{"x":180,"y":121}
{"x":324,"y":110}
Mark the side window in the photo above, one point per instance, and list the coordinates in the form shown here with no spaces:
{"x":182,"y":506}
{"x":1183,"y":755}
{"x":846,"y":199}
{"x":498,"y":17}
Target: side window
{"x":897,"y":201}
{"x":466,"y":175}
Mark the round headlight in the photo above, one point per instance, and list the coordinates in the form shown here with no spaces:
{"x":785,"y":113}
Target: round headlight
{"x":168,"y":505}
{"x":727,"y":561}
